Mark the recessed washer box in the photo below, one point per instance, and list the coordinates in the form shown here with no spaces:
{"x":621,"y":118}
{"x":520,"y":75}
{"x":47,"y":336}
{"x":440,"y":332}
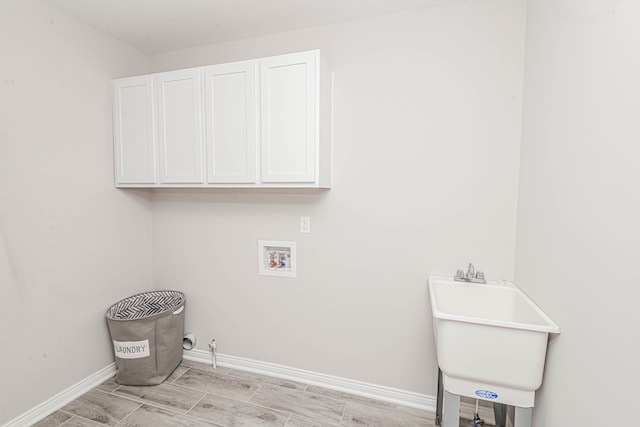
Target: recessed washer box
{"x":276,"y":258}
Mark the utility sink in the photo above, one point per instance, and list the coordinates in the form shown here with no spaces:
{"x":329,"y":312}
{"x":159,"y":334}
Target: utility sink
{"x":491,"y":340}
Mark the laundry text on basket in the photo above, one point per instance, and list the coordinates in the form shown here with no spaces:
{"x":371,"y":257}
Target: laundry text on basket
{"x":131,"y":349}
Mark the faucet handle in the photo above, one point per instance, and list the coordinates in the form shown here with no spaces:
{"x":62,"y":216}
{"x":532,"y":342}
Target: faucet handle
{"x":480,"y":275}
{"x":459,"y":274}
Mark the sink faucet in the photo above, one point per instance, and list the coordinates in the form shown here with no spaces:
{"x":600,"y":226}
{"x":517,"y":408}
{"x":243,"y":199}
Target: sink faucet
{"x":472,"y":275}
{"x":471,"y":272}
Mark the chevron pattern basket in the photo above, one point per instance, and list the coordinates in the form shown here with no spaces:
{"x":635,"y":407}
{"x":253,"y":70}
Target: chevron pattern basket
{"x":145,"y":305}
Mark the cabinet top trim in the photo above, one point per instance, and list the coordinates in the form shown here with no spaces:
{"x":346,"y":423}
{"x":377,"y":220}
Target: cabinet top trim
{"x":315,"y":52}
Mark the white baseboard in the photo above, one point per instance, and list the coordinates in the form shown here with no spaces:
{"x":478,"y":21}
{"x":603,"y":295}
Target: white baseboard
{"x":387,"y":394}
{"x":359,"y":388}
{"x":61,"y":399}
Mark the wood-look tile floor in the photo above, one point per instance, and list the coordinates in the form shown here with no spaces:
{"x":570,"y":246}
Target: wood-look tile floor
{"x":197,"y":395}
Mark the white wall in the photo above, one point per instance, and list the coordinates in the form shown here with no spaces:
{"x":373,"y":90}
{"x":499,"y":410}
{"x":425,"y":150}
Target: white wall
{"x":427,"y":123}
{"x":426,"y":148}
{"x":578,"y":234}
{"x":70,"y":243}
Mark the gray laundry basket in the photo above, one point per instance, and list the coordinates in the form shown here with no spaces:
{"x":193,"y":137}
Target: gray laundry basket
{"x":147,"y":331}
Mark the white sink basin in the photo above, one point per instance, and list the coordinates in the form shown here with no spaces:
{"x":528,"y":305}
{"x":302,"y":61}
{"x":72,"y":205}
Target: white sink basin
{"x":491,"y":340}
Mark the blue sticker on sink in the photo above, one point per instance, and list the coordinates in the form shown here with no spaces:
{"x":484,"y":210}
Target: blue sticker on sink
{"x":487,"y":394}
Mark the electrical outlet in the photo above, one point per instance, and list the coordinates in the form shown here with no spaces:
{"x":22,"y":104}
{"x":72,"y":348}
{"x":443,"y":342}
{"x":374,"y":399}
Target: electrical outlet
{"x":305,"y":224}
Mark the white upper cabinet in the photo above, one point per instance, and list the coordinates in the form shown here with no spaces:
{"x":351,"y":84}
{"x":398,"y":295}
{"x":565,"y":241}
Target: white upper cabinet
{"x":257,"y":123}
{"x":231,"y":119}
{"x":288,"y":111}
{"x":180,"y":132}
{"x":134,"y":130}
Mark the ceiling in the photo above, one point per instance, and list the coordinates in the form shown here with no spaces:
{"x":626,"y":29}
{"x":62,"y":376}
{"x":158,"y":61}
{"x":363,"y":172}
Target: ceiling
{"x":154,"y":26}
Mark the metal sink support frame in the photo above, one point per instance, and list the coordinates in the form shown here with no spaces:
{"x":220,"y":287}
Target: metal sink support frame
{"x":448,"y":410}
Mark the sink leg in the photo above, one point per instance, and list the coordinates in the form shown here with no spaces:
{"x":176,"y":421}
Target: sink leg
{"x":451,"y":412}
{"x":523,"y":417}
{"x":500,"y":414}
{"x":439,"y":399}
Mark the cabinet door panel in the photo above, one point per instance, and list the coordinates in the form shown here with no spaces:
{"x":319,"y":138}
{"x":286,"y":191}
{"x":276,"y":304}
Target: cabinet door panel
{"x":230,"y":101}
{"x":180,"y":134}
{"x":288,"y":118}
{"x":134,"y":130}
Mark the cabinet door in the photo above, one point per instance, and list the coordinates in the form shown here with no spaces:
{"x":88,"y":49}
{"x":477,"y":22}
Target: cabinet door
{"x":288,"y":117}
{"x":180,"y":133}
{"x":134,"y":131}
{"x":230,"y":109}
